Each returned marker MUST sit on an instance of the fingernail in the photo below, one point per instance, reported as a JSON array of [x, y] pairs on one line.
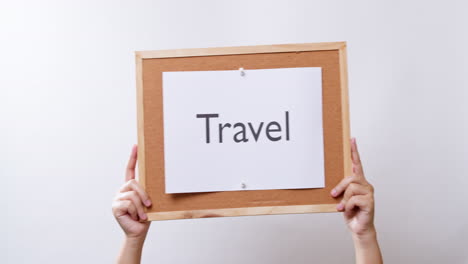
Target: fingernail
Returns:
[[333, 192], [143, 216], [148, 202], [339, 207]]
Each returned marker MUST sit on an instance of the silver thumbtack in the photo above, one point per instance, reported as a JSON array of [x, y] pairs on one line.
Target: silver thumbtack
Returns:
[[242, 72], [243, 185]]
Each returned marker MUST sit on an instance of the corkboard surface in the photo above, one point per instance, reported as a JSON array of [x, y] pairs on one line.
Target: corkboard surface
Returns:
[[152, 69]]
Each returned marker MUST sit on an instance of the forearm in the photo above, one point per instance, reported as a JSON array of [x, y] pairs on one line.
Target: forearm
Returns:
[[130, 253], [367, 249]]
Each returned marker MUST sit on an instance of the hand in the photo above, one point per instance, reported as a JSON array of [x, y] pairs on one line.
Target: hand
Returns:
[[358, 198], [129, 203]]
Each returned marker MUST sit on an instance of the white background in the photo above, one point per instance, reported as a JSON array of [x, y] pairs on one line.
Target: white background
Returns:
[[68, 121], [259, 97]]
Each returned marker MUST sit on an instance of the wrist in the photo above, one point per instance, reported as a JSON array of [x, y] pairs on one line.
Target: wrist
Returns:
[[131, 250], [366, 247], [366, 236], [134, 242]]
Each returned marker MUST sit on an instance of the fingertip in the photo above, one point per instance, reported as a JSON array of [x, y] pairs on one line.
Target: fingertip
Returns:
[[148, 203], [334, 192], [340, 207], [354, 152]]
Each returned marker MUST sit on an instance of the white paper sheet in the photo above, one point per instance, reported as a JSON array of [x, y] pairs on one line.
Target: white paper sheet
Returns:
[[288, 159]]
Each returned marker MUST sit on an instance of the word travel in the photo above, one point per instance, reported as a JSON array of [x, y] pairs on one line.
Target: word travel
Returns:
[[243, 132]]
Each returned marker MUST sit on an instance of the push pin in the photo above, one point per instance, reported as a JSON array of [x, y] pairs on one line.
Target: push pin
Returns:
[[242, 72], [243, 185]]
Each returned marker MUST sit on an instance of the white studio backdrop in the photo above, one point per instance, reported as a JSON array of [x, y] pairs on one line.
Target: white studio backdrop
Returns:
[[68, 121]]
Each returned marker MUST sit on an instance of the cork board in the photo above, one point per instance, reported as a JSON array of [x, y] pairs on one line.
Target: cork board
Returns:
[[150, 65]]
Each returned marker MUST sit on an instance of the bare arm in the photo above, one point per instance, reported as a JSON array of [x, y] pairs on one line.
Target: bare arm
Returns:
[[357, 206], [128, 209], [131, 250]]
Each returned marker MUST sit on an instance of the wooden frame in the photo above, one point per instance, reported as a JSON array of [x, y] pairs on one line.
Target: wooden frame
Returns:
[[340, 47]]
